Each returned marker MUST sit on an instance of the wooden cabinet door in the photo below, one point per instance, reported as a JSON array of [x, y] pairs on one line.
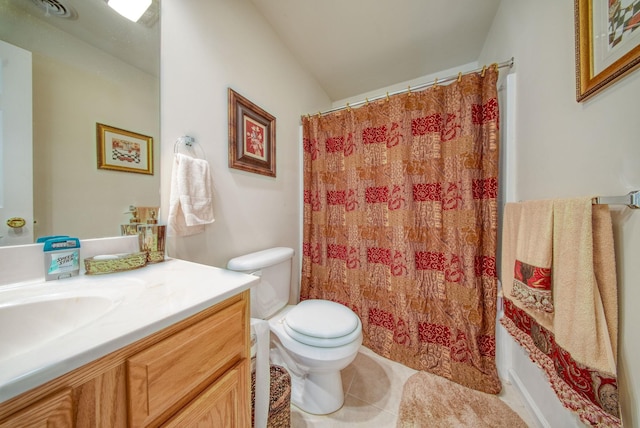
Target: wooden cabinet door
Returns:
[[55, 411], [167, 375], [223, 404]]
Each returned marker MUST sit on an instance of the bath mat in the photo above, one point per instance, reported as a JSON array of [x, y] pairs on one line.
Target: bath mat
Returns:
[[433, 401]]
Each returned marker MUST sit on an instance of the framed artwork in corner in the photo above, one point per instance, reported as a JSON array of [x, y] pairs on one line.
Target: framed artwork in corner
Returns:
[[252, 137], [607, 43], [121, 150]]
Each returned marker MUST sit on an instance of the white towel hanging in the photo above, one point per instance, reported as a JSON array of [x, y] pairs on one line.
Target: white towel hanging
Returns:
[[191, 199]]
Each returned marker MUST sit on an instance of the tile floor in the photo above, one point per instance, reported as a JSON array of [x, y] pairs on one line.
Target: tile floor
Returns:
[[373, 388]]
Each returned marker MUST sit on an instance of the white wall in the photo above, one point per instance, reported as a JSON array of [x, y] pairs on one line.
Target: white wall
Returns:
[[208, 46], [566, 149]]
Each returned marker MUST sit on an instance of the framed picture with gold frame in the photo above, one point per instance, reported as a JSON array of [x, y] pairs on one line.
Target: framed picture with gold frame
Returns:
[[122, 150], [252, 137], [607, 43]]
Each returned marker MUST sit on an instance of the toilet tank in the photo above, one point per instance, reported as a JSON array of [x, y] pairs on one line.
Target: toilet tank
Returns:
[[273, 266]]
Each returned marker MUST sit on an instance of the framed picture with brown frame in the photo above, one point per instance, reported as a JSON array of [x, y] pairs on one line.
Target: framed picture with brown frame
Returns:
[[122, 150], [607, 43], [252, 137]]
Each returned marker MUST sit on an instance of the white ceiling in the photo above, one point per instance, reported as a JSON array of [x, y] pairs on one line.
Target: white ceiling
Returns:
[[357, 46], [349, 46]]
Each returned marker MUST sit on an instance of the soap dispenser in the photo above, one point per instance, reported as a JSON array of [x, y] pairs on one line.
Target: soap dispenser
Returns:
[[134, 221]]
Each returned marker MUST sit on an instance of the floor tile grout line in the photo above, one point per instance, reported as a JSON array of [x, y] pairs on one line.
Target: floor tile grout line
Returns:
[[364, 400], [374, 406], [350, 383]]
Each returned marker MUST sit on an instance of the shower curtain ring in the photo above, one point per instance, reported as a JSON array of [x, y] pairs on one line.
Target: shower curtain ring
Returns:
[[484, 69], [459, 76]]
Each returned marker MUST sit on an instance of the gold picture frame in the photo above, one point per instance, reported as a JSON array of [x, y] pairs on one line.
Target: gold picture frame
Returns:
[[607, 47], [121, 150], [252, 137]]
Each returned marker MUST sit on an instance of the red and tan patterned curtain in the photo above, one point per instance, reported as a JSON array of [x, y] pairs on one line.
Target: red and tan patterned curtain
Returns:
[[400, 224]]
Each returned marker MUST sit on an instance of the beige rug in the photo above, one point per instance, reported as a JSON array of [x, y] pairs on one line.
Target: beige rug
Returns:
[[432, 401]]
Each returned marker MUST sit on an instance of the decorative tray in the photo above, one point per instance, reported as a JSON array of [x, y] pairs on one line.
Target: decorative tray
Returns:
[[114, 263]]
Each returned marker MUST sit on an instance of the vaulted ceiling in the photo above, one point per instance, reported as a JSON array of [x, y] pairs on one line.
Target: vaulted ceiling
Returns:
[[356, 46]]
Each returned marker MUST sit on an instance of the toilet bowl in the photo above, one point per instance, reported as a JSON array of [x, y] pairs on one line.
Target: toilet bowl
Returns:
[[315, 370], [313, 340]]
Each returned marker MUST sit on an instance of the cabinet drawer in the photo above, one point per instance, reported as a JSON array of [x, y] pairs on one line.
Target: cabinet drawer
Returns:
[[223, 404], [55, 411], [168, 374]]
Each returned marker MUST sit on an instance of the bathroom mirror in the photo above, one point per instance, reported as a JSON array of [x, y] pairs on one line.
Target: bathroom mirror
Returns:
[[89, 65]]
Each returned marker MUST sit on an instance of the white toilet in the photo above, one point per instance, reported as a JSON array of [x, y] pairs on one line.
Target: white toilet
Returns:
[[314, 339]]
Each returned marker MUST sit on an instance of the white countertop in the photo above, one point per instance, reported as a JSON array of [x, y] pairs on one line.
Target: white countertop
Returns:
[[145, 300]]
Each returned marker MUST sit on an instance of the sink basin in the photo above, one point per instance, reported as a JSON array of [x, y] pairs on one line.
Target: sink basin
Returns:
[[27, 323]]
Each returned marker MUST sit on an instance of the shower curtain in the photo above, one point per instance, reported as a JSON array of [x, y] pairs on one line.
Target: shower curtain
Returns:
[[400, 224]]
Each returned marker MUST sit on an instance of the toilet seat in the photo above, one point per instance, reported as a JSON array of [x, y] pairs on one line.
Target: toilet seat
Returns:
[[322, 323]]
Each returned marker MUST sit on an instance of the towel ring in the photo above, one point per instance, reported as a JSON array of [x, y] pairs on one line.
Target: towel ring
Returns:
[[188, 143]]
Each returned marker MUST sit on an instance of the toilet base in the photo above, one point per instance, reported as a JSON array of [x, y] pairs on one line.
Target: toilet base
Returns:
[[317, 393]]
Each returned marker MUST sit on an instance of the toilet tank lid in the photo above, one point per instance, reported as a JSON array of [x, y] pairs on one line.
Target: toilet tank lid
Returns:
[[260, 259]]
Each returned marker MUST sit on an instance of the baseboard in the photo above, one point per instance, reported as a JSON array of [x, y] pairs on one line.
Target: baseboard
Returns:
[[527, 400]]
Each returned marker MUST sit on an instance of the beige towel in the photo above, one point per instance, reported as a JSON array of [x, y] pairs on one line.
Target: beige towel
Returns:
[[190, 202], [578, 294], [576, 344], [511, 220]]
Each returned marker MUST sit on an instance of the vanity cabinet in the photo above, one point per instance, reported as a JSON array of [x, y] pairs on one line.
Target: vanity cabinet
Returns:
[[193, 373]]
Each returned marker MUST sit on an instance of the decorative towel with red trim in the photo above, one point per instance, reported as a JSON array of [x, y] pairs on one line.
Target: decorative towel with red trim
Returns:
[[532, 267], [576, 344], [532, 286]]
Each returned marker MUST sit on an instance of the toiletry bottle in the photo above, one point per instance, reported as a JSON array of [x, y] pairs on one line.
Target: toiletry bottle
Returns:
[[61, 258]]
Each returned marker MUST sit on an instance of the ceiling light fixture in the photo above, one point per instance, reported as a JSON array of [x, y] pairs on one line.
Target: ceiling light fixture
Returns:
[[130, 9]]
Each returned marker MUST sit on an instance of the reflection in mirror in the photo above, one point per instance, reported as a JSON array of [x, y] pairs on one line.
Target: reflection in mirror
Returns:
[[89, 65]]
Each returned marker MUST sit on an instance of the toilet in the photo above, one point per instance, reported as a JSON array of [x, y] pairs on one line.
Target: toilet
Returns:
[[313, 340]]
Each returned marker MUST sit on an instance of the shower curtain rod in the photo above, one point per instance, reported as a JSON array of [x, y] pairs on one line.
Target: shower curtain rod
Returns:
[[437, 81]]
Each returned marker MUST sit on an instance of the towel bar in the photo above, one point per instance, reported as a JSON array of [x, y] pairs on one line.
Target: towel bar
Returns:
[[631, 199]]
